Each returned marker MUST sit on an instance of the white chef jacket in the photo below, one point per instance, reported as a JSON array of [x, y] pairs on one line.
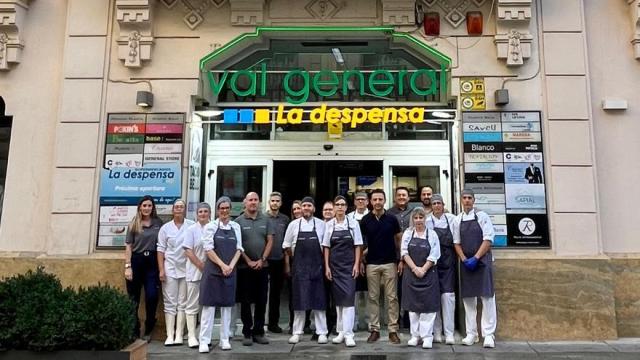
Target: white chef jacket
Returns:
[[170, 243], [291, 236], [331, 225], [210, 231], [355, 215], [434, 242], [442, 222], [483, 219], [193, 241]]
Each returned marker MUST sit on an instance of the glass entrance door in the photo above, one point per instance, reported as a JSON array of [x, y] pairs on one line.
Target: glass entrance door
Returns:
[[414, 174]]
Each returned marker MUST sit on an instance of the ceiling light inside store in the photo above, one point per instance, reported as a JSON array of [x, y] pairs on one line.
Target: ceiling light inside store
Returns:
[[442, 115], [338, 56]]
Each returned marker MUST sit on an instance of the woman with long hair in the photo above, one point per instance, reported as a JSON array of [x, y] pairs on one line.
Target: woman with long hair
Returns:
[[172, 264], [420, 251], [141, 266], [342, 243], [196, 257], [222, 241]]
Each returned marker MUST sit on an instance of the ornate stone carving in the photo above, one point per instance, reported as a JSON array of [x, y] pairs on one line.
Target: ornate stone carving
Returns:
[[454, 11], [12, 18], [194, 9], [247, 12], [135, 18], [398, 12], [634, 8], [323, 9], [513, 38]]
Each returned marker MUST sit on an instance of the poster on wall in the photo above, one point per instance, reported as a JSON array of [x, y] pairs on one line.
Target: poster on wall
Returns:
[[504, 165], [143, 156]]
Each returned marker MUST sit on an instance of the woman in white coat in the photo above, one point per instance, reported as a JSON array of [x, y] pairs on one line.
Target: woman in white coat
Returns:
[[196, 257], [172, 265]]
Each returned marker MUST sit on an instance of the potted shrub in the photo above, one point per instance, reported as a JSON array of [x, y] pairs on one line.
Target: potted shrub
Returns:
[[41, 319]]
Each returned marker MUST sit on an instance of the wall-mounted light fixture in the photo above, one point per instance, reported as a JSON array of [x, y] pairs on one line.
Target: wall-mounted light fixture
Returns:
[[431, 24], [144, 98], [474, 23]]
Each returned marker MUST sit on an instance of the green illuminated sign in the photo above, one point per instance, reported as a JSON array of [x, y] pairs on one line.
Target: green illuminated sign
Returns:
[[326, 83]]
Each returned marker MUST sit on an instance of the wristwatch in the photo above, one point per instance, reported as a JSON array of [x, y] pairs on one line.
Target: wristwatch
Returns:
[[263, 259], [127, 266]]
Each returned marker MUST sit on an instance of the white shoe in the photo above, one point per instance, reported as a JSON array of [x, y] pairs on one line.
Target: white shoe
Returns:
[[489, 342], [338, 339], [225, 345], [413, 341], [322, 339], [427, 343], [470, 340], [349, 341], [437, 338], [204, 348], [294, 339], [450, 340]]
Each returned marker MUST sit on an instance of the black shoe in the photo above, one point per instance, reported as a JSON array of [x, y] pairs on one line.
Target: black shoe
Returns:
[[290, 331], [307, 330], [260, 339], [314, 337], [275, 329], [247, 341]]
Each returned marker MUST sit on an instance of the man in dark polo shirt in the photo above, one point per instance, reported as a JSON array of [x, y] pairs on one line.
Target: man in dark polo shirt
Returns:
[[253, 275], [382, 234], [279, 222]]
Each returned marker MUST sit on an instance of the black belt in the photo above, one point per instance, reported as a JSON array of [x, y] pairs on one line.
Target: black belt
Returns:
[[145, 253]]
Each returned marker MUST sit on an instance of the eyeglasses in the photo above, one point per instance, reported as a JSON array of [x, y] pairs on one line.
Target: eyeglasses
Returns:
[[340, 204], [224, 208], [327, 209]]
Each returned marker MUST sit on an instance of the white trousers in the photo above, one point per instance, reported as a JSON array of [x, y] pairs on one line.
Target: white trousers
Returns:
[[448, 308], [345, 318], [193, 296], [206, 323], [489, 318], [422, 324], [174, 293], [319, 319]]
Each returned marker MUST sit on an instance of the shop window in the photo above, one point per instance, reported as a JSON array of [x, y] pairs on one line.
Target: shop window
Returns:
[[5, 137]]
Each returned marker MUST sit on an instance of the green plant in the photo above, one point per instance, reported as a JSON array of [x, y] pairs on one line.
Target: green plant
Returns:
[[36, 313]]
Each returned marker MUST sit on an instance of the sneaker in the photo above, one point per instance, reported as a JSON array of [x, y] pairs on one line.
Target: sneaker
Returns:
[[338, 339], [247, 341], [294, 339], [450, 340], [260, 339], [225, 345], [275, 329], [489, 342], [413, 341], [470, 340], [427, 343], [322, 339], [349, 341], [146, 337], [203, 348], [437, 338]]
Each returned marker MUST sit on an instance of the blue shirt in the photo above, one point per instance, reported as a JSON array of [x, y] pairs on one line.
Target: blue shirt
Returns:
[[379, 235]]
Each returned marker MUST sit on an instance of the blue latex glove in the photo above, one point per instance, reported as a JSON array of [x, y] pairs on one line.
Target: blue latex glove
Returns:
[[471, 263]]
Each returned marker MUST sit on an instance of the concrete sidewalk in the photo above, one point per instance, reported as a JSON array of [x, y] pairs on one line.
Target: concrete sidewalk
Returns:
[[279, 349]]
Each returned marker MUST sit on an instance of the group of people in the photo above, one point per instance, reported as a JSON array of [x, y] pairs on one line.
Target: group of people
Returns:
[[410, 253]]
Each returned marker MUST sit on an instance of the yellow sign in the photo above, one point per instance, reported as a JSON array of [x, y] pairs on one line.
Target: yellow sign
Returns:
[[472, 96], [334, 130]]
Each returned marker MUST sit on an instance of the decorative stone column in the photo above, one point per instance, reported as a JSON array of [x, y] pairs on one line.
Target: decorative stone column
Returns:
[[634, 9], [513, 38], [135, 18], [12, 18]]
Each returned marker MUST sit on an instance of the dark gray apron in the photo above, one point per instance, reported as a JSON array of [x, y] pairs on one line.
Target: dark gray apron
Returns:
[[341, 260], [480, 281], [447, 262], [307, 273], [215, 288], [420, 295]]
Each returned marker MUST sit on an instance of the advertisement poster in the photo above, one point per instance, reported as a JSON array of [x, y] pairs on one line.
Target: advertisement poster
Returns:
[[143, 156], [195, 165], [504, 165]]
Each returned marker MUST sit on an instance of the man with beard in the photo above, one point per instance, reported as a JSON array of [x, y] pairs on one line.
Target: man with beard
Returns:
[[279, 222], [426, 192]]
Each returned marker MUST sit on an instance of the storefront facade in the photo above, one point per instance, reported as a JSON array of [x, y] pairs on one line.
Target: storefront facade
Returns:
[[531, 103]]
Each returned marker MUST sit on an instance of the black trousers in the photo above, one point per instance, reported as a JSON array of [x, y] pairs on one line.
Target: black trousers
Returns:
[[145, 275], [276, 280], [252, 289]]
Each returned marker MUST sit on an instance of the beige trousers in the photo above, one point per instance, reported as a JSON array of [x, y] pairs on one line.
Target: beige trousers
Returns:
[[385, 276]]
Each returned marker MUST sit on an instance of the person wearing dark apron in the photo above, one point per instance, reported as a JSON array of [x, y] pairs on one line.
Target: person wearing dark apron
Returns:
[[420, 284], [302, 242], [443, 224], [342, 245], [222, 242], [361, 205], [472, 240]]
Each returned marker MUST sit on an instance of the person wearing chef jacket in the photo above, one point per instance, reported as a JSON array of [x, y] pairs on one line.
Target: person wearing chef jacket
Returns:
[[172, 265], [302, 242], [472, 240], [222, 242], [420, 251], [342, 244], [444, 224], [196, 258]]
